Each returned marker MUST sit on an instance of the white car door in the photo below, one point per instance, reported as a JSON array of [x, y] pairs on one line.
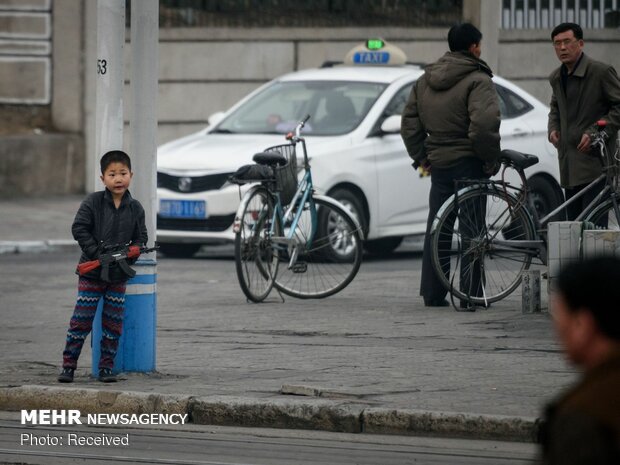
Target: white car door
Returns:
[[403, 195], [515, 132]]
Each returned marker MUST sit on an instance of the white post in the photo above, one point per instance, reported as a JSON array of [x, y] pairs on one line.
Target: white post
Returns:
[[487, 16], [490, 20], [143, 124], [108, 114], [530, 295], [110, 80], [564, 247], [140, 323]]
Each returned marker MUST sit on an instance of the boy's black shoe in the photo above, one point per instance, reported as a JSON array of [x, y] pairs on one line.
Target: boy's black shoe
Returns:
[[436, 303], [106, 376], [66, 375]]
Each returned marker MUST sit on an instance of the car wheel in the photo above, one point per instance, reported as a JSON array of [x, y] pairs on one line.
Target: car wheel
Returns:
[[179, 250], [354, 206], [384, 246], [544, 197]]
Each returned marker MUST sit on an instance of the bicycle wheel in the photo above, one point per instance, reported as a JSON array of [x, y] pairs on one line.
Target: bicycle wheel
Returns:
[[255, 260], [329, 252], [475, 244], [604, 216]]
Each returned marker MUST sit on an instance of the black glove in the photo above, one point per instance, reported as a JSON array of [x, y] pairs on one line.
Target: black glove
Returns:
[[93, 252], [491, 168]]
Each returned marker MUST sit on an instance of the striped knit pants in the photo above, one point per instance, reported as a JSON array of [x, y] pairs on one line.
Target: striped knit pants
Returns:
[[89, 293]]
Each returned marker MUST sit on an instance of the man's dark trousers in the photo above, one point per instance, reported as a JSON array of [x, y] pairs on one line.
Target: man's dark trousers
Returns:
[[442, 187], [579, 205]]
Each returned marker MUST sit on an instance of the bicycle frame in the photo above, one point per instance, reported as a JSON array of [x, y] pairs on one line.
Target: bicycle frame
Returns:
[[322, 239], [538, 247], [304, 194], [608, 167]]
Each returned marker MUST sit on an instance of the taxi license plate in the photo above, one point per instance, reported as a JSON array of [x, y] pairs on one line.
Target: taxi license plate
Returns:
[[183, 209]]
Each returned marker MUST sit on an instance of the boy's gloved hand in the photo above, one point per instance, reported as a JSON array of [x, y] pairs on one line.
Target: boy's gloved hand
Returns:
[[133, 251], [93, 252]]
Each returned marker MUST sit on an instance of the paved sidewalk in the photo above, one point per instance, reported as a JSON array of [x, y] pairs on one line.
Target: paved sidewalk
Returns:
[[37, 225], [371, 346]]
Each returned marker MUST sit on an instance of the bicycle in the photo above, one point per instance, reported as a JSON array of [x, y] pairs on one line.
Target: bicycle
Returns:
[[286, 235], [488, 233]]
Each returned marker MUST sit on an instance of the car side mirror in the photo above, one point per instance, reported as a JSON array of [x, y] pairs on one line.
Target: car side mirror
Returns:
[[391, 125], [215, 118]]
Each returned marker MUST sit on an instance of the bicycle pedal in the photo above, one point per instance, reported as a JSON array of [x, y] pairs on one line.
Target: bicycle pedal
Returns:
[[299, 267]]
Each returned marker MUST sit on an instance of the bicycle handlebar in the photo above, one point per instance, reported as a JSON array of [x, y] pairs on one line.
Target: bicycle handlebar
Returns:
[[600, 136], [295, 135]]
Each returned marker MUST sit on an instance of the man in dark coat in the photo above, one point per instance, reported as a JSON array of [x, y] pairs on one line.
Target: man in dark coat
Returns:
[[584, 91], [583, 425], [450, 127]]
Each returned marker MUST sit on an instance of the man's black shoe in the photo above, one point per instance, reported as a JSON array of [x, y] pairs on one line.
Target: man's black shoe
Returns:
[[66, 375], [466, 307], [106, 376], [436, 303]]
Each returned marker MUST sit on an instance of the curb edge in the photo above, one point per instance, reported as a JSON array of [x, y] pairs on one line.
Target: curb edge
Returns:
[[291, 413]]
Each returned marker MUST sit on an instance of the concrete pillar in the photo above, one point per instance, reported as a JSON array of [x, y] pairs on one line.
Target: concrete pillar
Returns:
[[486, 16], [109, 66], [141, 303], [471, 12], [90, 92], [598, 243], [143, 119], [530, 295], [564, 247]]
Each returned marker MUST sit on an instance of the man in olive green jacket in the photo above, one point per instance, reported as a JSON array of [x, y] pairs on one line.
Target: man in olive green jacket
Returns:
[[450, 127], [584, 91]]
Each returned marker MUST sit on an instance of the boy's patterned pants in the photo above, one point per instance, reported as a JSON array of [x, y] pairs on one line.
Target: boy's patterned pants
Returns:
[[89, 293]]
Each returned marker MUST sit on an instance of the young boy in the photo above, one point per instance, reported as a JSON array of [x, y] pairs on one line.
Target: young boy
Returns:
[[105, 218]]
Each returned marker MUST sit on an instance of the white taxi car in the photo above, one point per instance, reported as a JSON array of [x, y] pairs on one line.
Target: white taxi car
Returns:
[[356, 152]]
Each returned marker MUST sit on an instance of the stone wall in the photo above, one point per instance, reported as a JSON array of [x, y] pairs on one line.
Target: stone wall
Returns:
[[25, 50], [41, 165], [41, 99], [203, 71], [47, 63]]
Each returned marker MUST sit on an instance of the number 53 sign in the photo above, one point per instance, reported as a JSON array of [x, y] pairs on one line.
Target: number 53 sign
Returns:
[[102, 66]]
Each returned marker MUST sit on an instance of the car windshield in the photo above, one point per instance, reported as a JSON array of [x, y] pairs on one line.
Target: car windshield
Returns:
[[335, 107]]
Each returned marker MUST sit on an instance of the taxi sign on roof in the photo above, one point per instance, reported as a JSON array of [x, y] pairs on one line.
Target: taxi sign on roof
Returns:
[[376, 52]]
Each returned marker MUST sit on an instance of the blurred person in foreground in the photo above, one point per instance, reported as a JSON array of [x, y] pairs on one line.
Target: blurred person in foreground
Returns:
[[582, 426]]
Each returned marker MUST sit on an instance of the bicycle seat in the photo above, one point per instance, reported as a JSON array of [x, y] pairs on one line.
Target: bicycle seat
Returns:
[[269, 158], [518, 159]]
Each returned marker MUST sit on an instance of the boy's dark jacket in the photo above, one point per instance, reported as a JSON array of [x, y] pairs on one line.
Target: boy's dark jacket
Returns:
[[99, 223]]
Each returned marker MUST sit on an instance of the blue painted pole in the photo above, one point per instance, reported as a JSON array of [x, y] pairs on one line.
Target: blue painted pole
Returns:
[[137, 346]]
